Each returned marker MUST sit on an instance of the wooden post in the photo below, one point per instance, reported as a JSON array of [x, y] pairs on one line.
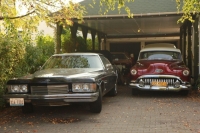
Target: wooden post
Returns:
[[58, 38]]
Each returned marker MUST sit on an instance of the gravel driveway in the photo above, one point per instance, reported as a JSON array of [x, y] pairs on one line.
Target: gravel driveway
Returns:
[[147, 112]]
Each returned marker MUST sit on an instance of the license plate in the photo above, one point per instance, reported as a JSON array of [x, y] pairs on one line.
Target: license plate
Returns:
[[16, 101], [156, 83]]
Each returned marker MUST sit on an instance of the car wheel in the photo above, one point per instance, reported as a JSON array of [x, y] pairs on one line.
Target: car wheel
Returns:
[[27, 108], [184, 92], [134, 91], [113, 91], [96, 106]]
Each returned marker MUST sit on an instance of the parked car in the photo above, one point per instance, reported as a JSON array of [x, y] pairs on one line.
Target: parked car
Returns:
[[108, 55], [124, 63], [160, 67], [64, 79]]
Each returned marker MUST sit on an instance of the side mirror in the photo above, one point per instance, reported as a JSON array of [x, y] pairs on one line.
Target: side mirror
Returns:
[[108, 66]]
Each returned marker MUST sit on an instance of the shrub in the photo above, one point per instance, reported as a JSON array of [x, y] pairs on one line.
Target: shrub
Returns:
[[19, 55]]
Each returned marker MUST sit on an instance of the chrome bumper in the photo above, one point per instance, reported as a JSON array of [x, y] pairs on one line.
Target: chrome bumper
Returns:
[[168, 88], [166, 78], [68, 98]]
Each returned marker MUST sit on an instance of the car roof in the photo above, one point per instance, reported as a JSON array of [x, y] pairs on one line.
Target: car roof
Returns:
[[77, 53], [106, 53], [160, 47]]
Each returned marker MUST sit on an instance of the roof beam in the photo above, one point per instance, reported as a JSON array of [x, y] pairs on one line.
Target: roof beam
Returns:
[[143, 36]]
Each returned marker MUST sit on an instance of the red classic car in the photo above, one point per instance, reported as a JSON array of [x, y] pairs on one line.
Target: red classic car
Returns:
[[160, 67]]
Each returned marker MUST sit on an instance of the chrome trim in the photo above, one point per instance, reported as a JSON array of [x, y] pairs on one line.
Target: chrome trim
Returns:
[[76, 97], [159, 76], [49, 89], [171, 79]]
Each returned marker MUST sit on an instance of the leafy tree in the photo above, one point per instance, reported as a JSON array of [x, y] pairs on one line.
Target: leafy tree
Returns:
[[28, 13], [67, 44], [189, 8], [89, 44], [37, 54], [35, 11]]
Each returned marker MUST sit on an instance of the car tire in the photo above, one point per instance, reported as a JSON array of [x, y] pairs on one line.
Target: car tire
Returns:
[[27, 108], [134, 91], [113, 91], [96, 106], [184, 92]]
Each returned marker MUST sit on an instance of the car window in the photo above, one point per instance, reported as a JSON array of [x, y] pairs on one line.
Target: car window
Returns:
[[73, 61], [105, 61], [160, 55]]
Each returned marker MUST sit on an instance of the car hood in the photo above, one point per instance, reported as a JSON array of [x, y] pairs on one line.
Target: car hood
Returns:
[[160, 66], [60, 76], [69, 73]]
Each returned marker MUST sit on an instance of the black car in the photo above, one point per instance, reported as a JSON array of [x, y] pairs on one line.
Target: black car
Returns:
[[64, 79], [109, 56]]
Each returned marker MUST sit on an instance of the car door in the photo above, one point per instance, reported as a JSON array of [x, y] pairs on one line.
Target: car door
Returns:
[[111, 75]]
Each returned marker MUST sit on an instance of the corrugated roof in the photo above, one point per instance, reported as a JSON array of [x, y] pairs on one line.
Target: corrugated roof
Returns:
[[137, 7]]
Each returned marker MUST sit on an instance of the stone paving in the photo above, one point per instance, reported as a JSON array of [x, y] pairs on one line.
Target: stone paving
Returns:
[[147, 112]]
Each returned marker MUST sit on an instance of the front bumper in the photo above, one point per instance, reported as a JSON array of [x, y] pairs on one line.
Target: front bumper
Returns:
[[58, 99], [170, 87]]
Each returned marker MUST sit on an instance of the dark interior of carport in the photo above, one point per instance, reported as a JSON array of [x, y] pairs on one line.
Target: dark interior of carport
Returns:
[[153, 21]]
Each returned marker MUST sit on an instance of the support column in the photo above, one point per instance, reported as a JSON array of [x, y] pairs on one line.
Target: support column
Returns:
[[104, 42], [99, 40], [85, 32], [181, 39], [189, 54], [73, 29], [184, 45], [58, 38], [93, 39], [196, 48]]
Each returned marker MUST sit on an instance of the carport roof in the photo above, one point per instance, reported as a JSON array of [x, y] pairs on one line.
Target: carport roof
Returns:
[[152, 18], [136, 7]]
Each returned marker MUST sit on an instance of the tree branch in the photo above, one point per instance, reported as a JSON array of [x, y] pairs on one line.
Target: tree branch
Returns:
[[1, 17]]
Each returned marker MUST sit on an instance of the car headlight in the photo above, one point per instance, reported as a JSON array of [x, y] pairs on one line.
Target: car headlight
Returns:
[[133, 72], [141, 83], [177, 84], [17, 88], [84, 87], [186, 72]]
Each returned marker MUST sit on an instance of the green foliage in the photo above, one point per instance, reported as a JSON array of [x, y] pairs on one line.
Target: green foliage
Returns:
[[89, 44], [28, 13], [36, 55], [80, 44], [67, 44], [106, 5], [189, 8], [12, 53], [20, 55]]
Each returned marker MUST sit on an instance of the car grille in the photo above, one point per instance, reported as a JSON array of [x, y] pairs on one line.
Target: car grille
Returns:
[[49, 90], [170, 81]]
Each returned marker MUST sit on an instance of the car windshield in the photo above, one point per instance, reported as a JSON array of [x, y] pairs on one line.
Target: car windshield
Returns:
[[73, 61], [160, 55], [119, 56]]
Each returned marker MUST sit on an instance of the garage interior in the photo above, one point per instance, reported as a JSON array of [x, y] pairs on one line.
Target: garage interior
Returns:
[[153, 21]]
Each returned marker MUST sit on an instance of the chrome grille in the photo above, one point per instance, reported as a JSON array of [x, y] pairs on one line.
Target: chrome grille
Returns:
[[149, 80], [49, 90]]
